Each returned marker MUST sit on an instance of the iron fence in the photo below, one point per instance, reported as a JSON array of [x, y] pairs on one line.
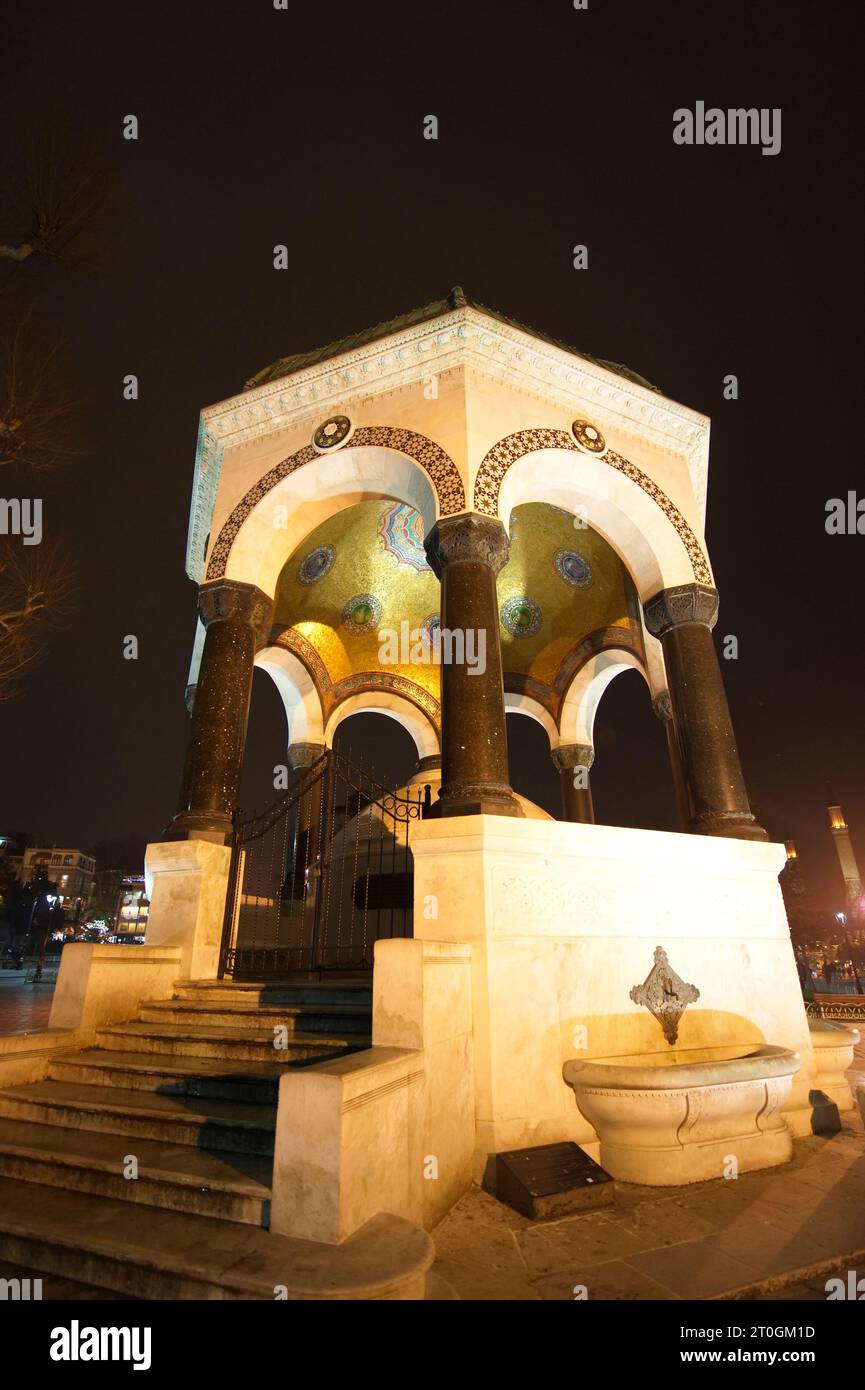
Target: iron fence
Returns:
[[320, 875]]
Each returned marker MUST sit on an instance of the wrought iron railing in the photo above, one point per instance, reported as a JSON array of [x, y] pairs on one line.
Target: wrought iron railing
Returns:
[[852, 1012], [321, 874]]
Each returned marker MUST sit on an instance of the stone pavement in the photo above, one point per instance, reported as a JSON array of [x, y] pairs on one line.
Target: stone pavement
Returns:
[[778, 1233], [23, 1007]]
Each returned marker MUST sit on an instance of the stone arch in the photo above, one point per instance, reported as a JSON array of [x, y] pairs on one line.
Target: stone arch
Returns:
[[396, 706], [253, 543], [650, 534], [584, 694], [300, 697], [517, 702]]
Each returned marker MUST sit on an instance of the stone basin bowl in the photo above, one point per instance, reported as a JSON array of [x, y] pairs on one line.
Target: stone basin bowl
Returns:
[[834, 1045], [687, 1115]]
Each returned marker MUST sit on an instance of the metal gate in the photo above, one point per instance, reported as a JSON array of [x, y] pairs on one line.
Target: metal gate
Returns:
[[320, 875]]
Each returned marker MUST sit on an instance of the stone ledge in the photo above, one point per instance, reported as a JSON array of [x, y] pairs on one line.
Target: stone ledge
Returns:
[[159, 1254]]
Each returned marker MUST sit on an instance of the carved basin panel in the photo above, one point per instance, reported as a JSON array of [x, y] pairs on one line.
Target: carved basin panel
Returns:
[[664, 1122]]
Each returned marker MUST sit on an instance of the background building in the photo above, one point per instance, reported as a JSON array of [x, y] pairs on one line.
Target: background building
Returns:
[[71, 870]]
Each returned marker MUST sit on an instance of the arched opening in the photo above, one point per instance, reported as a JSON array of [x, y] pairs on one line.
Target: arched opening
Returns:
[[381, 742], [532, 773], [266, 748], [651, 536], [302, 493], [631, 780]]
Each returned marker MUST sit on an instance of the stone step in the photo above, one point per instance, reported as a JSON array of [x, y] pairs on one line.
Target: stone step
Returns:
[[191, 1040], [256, 1083], [38, 1040], [144, 1253], [176, 1177], [259, 1019], [303, 992], [228, 1126]]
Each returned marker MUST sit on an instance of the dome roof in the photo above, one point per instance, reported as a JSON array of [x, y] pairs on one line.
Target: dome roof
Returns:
[[364, 571]]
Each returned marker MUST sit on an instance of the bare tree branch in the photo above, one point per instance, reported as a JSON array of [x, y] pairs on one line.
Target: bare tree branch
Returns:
[[40, 422], [36, 595], [51, 209]]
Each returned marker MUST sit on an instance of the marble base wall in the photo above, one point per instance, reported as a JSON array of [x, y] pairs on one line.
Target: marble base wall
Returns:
[[98, 985], [562, 920], [392, 1128], [187, 884]]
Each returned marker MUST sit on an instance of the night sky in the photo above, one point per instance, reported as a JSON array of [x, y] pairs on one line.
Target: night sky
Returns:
[[259, 126]]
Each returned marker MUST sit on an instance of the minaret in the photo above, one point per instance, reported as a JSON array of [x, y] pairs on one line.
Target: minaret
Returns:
[[847, 860]]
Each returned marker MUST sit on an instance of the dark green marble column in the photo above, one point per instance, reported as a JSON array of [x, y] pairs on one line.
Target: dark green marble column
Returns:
[[467, 553], [236, 617], [576, 801], [663, 707], [682, 618]]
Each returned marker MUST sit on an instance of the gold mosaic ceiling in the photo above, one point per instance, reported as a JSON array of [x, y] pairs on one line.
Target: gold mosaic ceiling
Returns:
[[364, 569]]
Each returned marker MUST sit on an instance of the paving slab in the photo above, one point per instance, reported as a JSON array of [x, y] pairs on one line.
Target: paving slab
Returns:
[[614, 1279], [757, 1236]]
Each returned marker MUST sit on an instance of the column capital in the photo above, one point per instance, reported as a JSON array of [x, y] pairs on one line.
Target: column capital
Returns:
[[229, 599], [570, 755], [663, 706], [683, 603], [303, 755], [469, 536]]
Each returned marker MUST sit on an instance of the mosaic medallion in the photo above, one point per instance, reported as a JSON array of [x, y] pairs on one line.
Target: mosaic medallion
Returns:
[[588, 436], [316, 565], [401, 533], [362, 613], [573, 569], [520, 617], [331, 432], [432, 625]]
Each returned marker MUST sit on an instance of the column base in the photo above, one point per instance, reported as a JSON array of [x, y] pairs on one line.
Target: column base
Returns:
[[478, 799], [731, 825], [200, 825]]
